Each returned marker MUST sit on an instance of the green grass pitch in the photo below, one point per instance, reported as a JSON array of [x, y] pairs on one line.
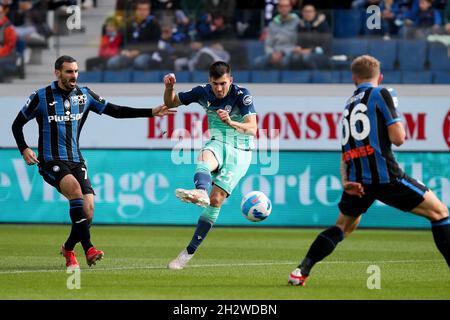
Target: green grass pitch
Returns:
[[233, 263]]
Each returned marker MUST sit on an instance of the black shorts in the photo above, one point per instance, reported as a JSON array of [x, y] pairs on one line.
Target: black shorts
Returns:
[[53, 171], [404, 194]]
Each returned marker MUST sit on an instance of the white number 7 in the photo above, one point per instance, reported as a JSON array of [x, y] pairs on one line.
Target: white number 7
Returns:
[[85, 173]]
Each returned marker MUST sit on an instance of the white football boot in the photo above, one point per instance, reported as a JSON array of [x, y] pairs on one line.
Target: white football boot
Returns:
[[181, 261], [296, 278], [196, 196]]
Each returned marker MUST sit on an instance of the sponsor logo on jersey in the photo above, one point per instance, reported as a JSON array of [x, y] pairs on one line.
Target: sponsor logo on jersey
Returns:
[[67, 117]]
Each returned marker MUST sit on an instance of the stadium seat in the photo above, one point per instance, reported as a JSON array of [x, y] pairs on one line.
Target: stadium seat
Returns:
[[326, 77], [391, 77], [117, 76], [263, 76], [90, 76], [241, 76], [350, 47], [441, 77], [199, 76], [146, 76], [385, 51], [295, 76], [439, 58], [419, 77], [347, 23], [412, 54]]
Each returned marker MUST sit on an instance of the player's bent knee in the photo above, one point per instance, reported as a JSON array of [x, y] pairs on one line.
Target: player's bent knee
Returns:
[[216, 201], [440, 213]]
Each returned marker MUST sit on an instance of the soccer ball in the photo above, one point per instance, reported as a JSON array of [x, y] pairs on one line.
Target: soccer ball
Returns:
[[255, 206]]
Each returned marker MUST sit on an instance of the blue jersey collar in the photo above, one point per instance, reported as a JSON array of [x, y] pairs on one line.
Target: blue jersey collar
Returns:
[[364, 85]]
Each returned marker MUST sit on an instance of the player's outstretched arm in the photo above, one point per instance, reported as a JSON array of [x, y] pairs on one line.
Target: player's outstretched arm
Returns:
[[122, 112], [170, 97]]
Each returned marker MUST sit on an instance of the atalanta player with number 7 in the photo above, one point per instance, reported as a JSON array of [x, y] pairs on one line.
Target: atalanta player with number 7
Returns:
[[60, 110]]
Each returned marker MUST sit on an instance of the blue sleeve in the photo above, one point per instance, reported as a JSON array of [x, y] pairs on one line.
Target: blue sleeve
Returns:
[[193, 95], [31, 107], [95, 102], [246, 104], [388, 106]]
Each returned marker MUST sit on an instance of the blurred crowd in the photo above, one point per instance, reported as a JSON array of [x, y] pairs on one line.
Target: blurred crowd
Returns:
[[191, 34]]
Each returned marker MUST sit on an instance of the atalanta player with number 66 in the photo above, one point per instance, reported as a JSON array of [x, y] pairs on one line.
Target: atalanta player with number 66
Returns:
[[60, 110], [370, 124]]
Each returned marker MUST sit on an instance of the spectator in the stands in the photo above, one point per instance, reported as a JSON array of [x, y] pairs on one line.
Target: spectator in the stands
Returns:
[[225, 7], [447, 18], [141, 35], [193, 8], [170, 47], [214, 27], [247, 18], [110, 45], [201, 56], [218, 31], [423, 22], [314, 41], [29, 19], [8, 40], [312, 21], [281, 39], [391, 18]]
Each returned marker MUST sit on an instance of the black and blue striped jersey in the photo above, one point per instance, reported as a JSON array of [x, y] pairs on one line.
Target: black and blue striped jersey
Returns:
[[60, 116], [366, 147]]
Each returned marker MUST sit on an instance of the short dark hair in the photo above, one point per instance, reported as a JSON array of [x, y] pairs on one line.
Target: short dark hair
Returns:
[[218, 69], [60, 61]]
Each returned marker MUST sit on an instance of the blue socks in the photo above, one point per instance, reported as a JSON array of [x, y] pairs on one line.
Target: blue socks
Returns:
[[204, 224]]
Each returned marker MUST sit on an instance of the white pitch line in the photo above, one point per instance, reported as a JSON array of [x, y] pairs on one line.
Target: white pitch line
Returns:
[[214, 265]]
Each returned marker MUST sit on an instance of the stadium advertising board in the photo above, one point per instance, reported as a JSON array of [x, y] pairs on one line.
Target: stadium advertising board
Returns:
[[137, 187], [287, 123]]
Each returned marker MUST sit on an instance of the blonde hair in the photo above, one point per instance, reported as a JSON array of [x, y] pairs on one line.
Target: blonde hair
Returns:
[[365, 67]]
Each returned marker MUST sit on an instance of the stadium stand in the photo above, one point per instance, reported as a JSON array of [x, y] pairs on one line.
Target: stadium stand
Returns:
[[411, 61]]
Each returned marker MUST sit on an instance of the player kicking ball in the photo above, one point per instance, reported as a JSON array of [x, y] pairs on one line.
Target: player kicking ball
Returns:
[[370, 125], [226, 157]]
